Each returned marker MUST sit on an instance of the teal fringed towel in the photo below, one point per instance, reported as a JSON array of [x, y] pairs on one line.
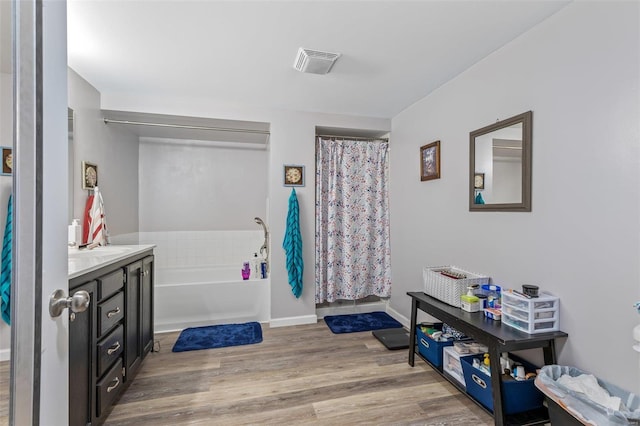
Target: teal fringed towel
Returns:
[[292, 246], [479, 199], [5, 276]]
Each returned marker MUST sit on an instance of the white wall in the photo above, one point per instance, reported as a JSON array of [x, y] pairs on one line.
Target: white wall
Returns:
[[115, 151], [186, 187], [578, 72], [6, 139], [292, 141]]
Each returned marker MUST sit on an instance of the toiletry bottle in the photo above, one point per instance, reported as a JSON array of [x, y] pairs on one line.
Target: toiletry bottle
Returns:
[[504, 363], [255, 266], [75, 233], [493, 298], [263, 268], [470, 302], [246, 270]]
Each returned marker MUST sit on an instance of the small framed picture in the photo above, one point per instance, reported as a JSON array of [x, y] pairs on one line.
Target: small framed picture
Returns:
[[7, 161], [430, 161], [478, 181], [89, 175], [293, 175]]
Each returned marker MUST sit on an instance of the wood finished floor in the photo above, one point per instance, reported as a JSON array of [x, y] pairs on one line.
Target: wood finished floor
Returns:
[[298, 375]]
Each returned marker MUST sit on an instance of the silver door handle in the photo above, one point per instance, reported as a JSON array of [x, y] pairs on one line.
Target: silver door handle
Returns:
[[115, 382], [113, 348], [58, 302]]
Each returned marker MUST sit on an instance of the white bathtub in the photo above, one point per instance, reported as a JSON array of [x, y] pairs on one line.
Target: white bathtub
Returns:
[[195, 296]]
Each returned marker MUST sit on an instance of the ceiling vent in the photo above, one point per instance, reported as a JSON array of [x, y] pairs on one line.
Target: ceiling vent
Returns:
[[314, 61]]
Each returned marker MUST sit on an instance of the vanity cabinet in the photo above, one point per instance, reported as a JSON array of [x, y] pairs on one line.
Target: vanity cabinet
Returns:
[[82, 327], [139, 307], [108, 341]]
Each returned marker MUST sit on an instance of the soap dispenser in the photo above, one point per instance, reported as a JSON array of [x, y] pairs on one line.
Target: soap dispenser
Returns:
[[470, 302]]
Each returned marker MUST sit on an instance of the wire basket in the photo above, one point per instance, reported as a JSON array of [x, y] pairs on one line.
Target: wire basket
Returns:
[[447, 288]]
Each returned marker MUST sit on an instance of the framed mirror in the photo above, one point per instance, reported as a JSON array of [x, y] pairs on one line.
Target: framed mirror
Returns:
[[500, 165]]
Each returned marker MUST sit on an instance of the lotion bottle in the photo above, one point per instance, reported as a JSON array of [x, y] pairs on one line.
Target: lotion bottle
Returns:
[[75, 233]]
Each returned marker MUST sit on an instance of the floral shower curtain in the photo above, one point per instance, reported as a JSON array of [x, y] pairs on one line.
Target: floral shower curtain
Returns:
[[353, 255]]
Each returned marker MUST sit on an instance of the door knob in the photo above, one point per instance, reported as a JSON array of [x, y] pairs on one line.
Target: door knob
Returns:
[[79, 302]]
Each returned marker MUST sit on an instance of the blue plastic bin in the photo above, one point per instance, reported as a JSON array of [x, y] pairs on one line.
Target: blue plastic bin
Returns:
[[430, 349], [517, 395]]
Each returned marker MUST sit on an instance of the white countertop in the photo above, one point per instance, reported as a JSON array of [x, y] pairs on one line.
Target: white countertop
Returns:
[[85, 260]]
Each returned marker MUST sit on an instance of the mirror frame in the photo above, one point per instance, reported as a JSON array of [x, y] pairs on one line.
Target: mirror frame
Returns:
[[526, 119]]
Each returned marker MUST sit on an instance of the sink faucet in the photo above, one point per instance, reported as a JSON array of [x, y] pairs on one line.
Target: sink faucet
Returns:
[[265, 246]]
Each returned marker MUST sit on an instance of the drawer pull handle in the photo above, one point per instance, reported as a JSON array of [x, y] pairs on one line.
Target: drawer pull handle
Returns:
[[424, 343], [115, 385], [479, 381], [113, 312], [113, 348]]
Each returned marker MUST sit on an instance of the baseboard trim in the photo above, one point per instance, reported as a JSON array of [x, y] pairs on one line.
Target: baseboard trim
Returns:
[[284, 322], [179, 326], [352, 309], [398, 317], [5, 354]]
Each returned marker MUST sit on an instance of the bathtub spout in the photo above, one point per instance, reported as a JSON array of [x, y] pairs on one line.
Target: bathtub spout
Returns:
[[264, 250]]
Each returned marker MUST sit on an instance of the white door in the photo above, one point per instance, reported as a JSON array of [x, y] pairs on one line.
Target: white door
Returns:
[[39, 342]]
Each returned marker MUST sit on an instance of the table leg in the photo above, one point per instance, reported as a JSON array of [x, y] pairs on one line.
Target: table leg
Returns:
[[494, 358], [549, 352], [412, 332]]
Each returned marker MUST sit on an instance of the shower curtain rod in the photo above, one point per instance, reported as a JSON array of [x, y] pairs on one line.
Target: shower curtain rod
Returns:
[[183, 126], [354, 138]]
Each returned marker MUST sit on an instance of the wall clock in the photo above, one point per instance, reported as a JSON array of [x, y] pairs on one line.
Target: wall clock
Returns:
[[478, 181], [293, 175], [7, 161]]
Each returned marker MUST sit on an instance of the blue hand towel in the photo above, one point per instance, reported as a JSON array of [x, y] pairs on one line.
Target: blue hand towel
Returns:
[[479, 199], [5, 276], [292, 246]]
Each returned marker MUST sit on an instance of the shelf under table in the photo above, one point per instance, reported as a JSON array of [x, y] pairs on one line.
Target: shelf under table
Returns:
[[497, 338]]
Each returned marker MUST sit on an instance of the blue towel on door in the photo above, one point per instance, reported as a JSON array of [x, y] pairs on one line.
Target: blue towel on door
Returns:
[[5, 276], [292, 246]]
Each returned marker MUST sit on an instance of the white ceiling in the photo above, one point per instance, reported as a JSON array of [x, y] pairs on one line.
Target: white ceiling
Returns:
[[242, 52]]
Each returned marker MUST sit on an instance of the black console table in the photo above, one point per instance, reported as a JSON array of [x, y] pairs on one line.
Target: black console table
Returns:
[[491, 334]]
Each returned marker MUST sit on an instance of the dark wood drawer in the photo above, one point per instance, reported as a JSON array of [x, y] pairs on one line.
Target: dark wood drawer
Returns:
[[110, 284], [110, 312], [109, 387], [110, 349]]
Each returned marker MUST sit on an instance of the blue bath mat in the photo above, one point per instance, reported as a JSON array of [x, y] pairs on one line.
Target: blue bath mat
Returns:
[[360, 322], [218, 336]]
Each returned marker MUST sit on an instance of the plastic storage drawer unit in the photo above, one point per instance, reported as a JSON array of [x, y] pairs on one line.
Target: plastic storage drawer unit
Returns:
[[451, 364], [535, 315], [430, 349], [517, 395]]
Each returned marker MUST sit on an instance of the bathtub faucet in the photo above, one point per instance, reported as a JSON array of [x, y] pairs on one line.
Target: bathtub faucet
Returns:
[[265, 245]]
